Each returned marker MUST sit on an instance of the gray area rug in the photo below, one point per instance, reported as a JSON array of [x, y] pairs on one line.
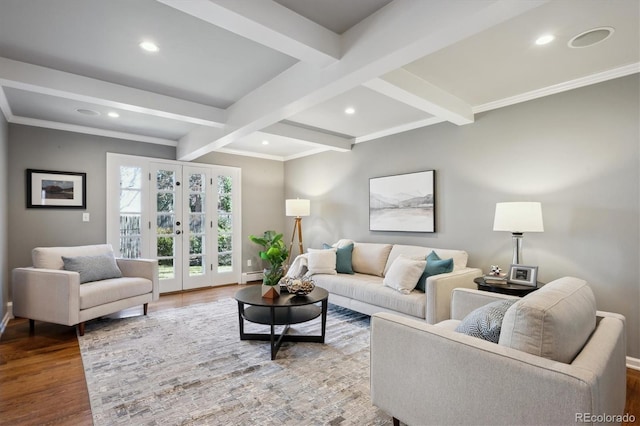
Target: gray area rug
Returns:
[[188, 366]]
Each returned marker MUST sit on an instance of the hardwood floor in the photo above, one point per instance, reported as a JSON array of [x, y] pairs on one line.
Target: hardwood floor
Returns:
[[42, 377]]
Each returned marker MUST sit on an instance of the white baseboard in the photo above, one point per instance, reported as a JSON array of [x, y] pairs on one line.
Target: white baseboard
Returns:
[[633, 363], [251, 276], [7, 317]]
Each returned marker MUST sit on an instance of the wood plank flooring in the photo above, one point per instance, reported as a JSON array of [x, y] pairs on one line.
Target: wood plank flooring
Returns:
[[42, 378]]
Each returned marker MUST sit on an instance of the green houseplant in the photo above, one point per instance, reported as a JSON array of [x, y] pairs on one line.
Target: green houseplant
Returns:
[[275, 254]]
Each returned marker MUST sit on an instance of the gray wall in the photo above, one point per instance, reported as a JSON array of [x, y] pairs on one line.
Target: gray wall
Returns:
[[576, 152], [262, 199], [38, 148], [4, 191]]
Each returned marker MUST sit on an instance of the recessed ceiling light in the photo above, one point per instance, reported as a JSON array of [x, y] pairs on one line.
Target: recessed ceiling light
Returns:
[[265, 142], [590, 37], [545, 39], [113, 114], [87, 111], [149, 46], [350, 110]]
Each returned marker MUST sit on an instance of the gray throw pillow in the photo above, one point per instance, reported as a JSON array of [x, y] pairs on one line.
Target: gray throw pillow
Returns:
[[93, 268], [486, 321]]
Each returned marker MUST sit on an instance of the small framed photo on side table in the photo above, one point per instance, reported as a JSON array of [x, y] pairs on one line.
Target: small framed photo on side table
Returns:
[[523, 275]]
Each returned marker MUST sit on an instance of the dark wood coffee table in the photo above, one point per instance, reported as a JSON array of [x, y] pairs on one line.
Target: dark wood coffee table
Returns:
[[284, 310]]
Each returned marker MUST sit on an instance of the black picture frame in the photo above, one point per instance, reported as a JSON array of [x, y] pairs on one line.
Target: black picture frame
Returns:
[[523, 275], [403, 203], [51, 189]]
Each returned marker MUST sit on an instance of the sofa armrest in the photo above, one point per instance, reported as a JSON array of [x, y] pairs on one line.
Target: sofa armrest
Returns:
[[465, 300], [50, 295], [442, 377], [438, 290], [143, 268]]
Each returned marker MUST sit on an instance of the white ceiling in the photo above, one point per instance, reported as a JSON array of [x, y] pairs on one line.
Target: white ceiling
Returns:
[[230, 75]]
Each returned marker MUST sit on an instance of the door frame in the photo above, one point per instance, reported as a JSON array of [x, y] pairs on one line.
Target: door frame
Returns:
[[114, 161]]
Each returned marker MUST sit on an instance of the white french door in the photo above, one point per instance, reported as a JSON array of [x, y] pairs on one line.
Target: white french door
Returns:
[[192, 215]]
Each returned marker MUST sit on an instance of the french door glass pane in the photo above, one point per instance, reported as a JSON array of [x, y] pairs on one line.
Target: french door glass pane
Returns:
[[166, 269], [225, 225], [130, 212], [197, 212]]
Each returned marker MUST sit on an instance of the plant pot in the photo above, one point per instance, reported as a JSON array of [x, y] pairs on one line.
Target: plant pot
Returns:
[[270, 291]]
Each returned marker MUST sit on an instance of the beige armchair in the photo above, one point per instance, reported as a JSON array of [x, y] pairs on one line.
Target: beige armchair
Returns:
[[48, 292], [557, 361]]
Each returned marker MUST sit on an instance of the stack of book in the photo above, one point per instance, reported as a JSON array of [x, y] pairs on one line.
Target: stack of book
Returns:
[[495, 279]]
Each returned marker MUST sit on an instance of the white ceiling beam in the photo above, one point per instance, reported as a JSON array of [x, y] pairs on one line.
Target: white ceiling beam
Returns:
[[410, 89], [47, 81], [309, 136], [400, 33], [399, 129], [270, 24]]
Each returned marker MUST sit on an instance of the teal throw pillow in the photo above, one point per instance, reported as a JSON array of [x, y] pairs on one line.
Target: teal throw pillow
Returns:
[[343, 258], [435, 266]]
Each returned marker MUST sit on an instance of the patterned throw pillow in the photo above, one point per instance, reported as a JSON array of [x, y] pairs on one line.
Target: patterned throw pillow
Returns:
[[93, 268], [486, 321]]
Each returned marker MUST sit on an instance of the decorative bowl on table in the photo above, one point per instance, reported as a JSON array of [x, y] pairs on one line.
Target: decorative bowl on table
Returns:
[[300, 286]]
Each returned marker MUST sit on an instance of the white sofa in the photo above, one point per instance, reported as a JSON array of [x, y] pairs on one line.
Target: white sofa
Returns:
[[48, 292], [557, 361], [364, 291]]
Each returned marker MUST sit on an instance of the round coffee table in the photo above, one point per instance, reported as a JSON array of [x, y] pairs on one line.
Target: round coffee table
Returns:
[[284, 310]]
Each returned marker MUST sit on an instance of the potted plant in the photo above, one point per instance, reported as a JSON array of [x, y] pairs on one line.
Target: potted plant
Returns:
[[275, 254]]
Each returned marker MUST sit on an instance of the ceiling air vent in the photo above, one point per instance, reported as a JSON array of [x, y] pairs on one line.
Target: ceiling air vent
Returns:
[[591, 37]]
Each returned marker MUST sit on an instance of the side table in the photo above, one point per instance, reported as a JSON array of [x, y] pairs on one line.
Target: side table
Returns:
[[507, 288]]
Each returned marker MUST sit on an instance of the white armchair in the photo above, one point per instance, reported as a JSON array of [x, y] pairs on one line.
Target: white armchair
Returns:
[[48, 292], [558, 361]]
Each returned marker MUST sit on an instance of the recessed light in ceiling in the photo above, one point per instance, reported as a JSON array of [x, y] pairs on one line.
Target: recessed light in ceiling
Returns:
[[545, 39], [350, 110], [590, 37], [265, 142], [113, 114], [149, 46], [87, 111]]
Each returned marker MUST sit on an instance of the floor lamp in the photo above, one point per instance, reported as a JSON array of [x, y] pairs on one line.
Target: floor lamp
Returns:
[[517, 218], [297, 208]]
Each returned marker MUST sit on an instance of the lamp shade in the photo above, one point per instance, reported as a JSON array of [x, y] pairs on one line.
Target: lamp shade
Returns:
[[518, 217], [297, 207]]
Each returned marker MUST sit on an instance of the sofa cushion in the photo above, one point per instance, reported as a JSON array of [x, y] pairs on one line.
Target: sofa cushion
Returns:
[[322, 261], [486, 321], [370, 258], [404, 273], [93, 268], [434, 266], [553, 322], [369, 289], [343, 258], [98, 293], [51, 257]]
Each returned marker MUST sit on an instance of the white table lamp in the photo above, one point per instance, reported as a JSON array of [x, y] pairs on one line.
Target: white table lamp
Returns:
[[517, 218]]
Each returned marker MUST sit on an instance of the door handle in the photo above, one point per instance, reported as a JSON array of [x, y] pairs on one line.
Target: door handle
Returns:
[[178, 232]]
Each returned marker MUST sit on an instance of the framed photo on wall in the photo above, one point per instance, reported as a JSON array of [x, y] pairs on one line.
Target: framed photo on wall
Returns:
[[404, 203], [58, 190], [523, 275]]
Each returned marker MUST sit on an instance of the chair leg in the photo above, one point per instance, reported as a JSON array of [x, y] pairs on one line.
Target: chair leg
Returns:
[[81, 329], [32, 326], [396, 422], [145, 307]]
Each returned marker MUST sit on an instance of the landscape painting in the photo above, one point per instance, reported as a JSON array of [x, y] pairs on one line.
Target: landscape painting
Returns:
[[53, 189], [404, 203]]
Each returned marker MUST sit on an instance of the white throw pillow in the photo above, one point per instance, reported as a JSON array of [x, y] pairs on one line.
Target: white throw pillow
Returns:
[[322, 261], [404, 273]]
